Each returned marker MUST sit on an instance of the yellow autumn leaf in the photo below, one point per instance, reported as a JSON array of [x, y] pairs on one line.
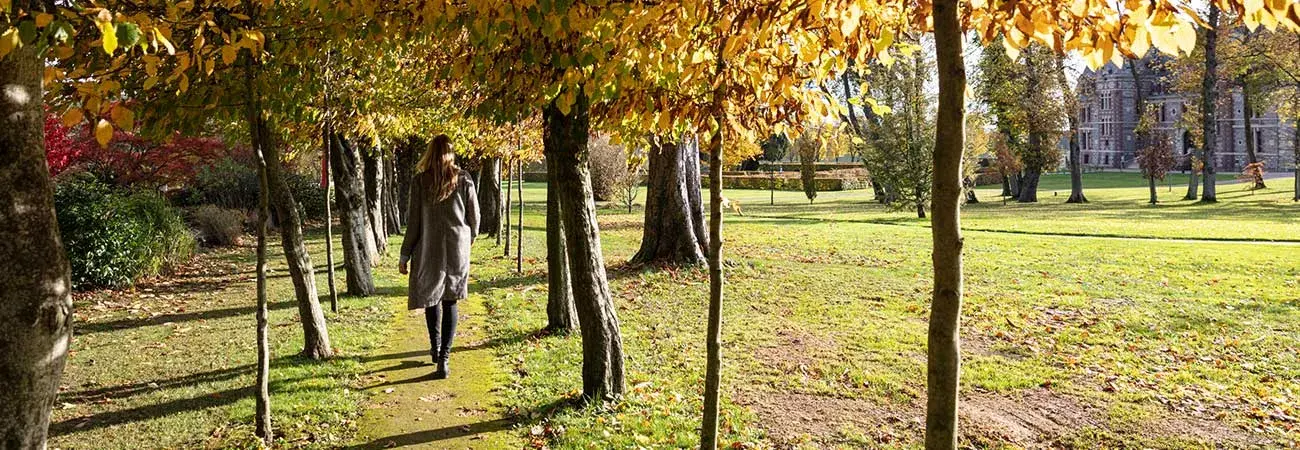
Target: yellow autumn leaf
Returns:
[[108, 36], [1141, 42], [72, 117], [162, 40], [123, 117], [228, 54], [9, 41], [103, 132], [43, 19]]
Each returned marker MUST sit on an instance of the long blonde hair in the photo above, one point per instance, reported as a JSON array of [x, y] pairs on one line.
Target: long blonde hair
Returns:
[[439, 162]]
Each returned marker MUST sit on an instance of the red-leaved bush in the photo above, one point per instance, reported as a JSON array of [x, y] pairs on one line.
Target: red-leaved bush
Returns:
[[129, 158]]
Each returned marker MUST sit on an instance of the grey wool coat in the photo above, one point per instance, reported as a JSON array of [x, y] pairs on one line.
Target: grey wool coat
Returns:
[[437, 241]]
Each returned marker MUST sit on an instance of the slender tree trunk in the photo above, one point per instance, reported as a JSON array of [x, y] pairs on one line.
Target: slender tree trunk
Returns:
[[1072, 114], [262, 402], [372, 159], [392, 219], [1249, 112], [510, 179], [602, 346], [489, 198], [1295, 158], [1006, 186], [35, 282], [1153, 190], [672, 220], [348, 187], [329, 219], [1209, 101], [943, 363], [561, 315], [519, 233], [713, 338], [316, 342]]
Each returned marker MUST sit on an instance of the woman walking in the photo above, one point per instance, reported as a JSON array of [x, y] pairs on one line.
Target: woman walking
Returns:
[[442, 223]]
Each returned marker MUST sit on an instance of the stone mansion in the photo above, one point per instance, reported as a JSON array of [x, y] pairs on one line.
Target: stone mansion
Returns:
[[1108, 116]]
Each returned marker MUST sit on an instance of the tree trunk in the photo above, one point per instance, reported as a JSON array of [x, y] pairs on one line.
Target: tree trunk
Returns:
[[35, 282], [357, 239], [1295, 159], [519, 232], [602, 347], [561, 315], [316, 341], [1153, 189], [1072, 115], [1193, 182], [713, 338], [372, 159], [510, 179], [329, 219], [262, 401], [1006, 186], [392, 219], [1248, 110], [672, 232], [406, 160], [1029, 185], [943, 362], [1209, 99], [489, 197]]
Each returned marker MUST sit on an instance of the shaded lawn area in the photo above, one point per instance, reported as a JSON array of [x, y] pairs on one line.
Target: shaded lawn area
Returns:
[[171, 363], [1117, 207], [1069, 342]]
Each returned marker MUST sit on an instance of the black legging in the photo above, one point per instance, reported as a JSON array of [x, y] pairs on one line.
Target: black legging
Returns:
[[441, 321]]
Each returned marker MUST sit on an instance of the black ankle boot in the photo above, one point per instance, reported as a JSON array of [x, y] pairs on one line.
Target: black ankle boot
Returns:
[[443, 372]]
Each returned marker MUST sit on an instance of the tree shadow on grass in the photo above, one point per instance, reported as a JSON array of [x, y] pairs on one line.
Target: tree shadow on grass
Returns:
[[460, 431], [212, 314], [168, 408]]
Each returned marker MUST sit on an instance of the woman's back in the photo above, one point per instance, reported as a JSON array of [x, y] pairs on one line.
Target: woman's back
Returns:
[[438, 238]]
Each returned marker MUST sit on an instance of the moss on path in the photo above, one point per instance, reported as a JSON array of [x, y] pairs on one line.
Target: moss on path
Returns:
[[409, 409]]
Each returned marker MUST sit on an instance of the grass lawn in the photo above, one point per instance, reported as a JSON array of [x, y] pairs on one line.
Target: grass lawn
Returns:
[[1076, 342], [1069, 341], [171, 363]]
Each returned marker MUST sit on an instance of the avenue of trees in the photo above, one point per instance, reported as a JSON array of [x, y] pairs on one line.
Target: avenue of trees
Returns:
[[704, 79]]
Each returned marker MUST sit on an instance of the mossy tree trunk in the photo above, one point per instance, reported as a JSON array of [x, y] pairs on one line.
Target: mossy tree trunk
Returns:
[[35, 282], [565, 137], [373, 180], [943, 361], [351, 198], [674, 218], [489, 197], [561, 314]]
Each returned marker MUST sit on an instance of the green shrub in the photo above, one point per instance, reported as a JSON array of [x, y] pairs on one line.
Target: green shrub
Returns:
[[218, 226], [309, 195], [113, 238], [226, 183]]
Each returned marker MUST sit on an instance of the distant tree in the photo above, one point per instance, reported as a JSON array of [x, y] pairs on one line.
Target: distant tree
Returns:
[[1253, 176], [809, 147], [629, 182], [1006, 163], [900, 152], [1156, 158], [775, 147]]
